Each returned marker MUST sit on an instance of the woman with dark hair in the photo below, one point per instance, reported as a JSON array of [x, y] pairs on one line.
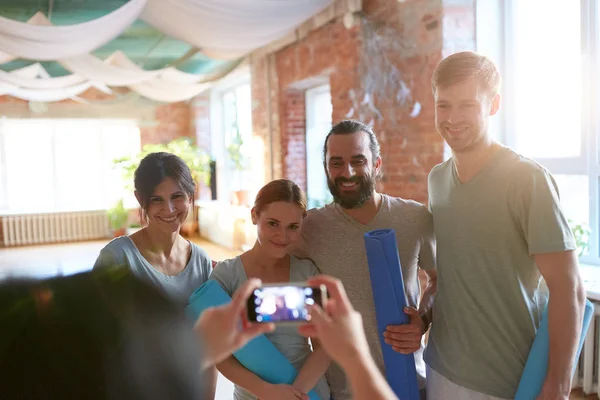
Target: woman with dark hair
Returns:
[[157, 253], [106, 335], [278, 211]]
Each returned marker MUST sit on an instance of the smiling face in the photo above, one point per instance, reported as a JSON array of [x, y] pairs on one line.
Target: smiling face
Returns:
[[462, 114], [168, 206], [278, 226], [351, 170]]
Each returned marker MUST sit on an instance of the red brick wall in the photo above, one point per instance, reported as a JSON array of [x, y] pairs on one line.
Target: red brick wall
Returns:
[[171, 121], [422, 31], [293, 137]]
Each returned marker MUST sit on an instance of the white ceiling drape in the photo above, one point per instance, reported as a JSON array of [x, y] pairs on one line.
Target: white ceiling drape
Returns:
[[39, 79], [110, 71], [164, 85], [222, 29], [44, 95], [39, 40], [229, 28]]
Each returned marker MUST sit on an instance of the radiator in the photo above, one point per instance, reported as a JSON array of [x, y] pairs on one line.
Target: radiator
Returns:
[[588, 365], [27, 229]]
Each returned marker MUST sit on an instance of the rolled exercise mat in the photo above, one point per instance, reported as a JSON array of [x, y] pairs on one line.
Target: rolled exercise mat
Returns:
[[259, 355], [390, 299], [534, 373]]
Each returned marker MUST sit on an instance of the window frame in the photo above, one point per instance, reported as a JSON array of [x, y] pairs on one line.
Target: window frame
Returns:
[[495, 19]]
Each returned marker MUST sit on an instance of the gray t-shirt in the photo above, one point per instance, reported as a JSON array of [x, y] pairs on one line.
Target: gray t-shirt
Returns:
[[122, 251], [490, 292], [231, 275], [335, 242]]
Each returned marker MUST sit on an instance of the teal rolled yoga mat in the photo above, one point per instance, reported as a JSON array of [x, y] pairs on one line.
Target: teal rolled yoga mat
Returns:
[[260, 355], [534, 373], [389, 295]]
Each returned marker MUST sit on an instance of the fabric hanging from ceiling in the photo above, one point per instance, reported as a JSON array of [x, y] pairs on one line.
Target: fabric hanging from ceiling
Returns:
[[38, 39], [163, 91], [229, 28], [46, 95], [166, 85], [113, 71], [39, 79], [222, 29]]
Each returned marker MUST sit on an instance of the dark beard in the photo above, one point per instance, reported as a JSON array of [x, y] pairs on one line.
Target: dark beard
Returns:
[[366, 186]]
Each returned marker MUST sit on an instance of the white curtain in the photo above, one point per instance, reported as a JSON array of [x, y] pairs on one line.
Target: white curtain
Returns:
[[43, 95], [38, 39], [229, 28]]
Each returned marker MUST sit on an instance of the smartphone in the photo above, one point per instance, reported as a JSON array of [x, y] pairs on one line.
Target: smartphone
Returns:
[[284, 303]]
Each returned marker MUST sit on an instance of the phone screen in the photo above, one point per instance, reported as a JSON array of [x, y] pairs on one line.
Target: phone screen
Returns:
[[282, 303]]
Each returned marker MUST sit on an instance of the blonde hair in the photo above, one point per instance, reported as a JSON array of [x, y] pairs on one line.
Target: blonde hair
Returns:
[[463, 66]]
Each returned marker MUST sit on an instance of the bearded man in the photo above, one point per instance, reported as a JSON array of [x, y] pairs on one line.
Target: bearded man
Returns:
[[332, 237]]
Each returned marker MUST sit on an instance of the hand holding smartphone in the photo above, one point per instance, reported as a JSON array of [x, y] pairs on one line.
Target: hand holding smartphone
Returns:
[[284, 303]]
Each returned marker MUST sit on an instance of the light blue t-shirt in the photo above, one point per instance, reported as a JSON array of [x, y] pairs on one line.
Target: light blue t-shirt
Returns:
[[231, 275], [178, 288]]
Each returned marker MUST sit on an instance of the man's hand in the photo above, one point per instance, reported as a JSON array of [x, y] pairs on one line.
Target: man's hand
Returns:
[[553, 391], [224, 329], [406, 339]]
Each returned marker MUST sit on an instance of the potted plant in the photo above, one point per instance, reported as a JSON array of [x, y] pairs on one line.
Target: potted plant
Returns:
[[197, 160], [133, 227], [581, 232], [118, 217]]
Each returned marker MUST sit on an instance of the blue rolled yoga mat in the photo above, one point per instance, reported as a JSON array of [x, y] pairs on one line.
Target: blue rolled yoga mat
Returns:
[[260, 355], [390, 299], [534, 373]]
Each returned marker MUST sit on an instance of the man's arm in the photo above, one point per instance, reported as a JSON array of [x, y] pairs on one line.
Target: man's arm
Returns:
[[426, 306], [565, 316]]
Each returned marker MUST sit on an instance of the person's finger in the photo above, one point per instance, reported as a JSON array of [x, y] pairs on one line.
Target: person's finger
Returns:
[[402, 342], [411, 311], [401, 329], [254, 330], [299, 394], [405, 350], [308, 330], [240, 297], [336, 291], [318, 317]]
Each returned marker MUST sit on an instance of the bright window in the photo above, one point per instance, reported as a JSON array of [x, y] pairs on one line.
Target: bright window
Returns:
[[550, 69], [318, 124], [64, 165]]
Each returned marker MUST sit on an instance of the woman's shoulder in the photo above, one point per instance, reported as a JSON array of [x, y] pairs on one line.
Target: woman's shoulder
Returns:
[[200, 253], [228, 273], [119, 244], [303, 267], [229, 266]]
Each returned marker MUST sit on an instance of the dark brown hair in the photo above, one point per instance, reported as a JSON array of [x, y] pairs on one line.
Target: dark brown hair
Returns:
[[153, 169], [280, 190], [100, 335]]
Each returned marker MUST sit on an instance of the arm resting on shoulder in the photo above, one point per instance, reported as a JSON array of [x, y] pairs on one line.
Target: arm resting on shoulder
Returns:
[[313, 369], [565, 314]]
